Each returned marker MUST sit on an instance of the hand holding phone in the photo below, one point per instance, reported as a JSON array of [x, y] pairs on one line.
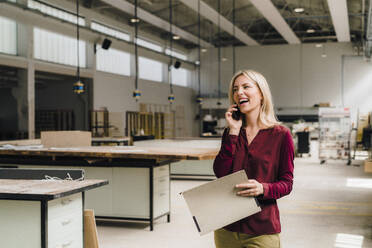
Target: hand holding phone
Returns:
[[236, 115], [234, 119]]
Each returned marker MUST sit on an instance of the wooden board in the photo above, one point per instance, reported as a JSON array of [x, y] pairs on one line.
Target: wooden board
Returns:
[[26, 142], [90, 229], [45, 189], [176, 153], [66, 138]]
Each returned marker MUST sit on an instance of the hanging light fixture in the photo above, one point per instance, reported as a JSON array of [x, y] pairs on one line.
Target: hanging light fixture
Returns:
[[136, 92], [171, 96], [78, 86], [199, 99], [219, 54]]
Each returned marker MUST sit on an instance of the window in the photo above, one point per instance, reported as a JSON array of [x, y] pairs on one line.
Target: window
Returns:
[[53, 11], [180, 76], [176, 54], [113, 61], [150, 69], [149, 45], [58, 48], [110, 31], [8, 36]]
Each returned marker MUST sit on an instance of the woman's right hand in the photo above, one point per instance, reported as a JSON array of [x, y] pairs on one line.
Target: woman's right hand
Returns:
[[234, 125]]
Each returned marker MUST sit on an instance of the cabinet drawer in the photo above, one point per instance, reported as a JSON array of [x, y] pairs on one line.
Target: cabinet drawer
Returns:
[[161, 203], [73, 239], [161, 171], [65, 224], [161, 184], [64, 205]]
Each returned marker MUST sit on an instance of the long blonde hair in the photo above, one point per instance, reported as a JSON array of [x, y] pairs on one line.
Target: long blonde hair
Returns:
[[267, 117]]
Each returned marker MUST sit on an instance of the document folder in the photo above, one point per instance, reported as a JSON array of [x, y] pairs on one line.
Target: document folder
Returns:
[[215, 204]]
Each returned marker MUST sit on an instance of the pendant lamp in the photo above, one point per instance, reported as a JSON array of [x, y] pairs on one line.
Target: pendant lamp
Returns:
[[78, 86], [171, 96]]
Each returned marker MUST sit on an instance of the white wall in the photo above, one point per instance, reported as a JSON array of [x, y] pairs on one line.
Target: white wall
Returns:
[[357, 84], [297, 74], [116, 93]]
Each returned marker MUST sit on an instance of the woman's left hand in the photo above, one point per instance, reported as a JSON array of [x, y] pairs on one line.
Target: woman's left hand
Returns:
[[250, 188]]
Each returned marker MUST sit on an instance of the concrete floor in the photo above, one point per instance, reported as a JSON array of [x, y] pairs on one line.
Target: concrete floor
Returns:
[[330, 206]]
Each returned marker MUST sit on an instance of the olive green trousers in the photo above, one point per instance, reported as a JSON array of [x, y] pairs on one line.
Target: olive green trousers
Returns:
[[227, 239]]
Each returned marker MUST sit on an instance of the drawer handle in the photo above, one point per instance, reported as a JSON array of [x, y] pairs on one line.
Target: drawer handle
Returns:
[[66, 222], [66, 244], [66, 201]]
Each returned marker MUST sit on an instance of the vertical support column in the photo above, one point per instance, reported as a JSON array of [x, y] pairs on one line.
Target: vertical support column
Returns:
[[31, 99], [25, 92], [30, 81]]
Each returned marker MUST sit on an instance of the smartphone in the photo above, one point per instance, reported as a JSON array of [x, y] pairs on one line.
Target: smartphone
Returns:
[[236, 115]]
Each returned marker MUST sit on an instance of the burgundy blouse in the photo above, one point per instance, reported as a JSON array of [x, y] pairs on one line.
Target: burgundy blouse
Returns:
[[269, 160]]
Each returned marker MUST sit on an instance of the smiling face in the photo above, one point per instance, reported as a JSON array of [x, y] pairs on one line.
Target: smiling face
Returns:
[[246, 94]]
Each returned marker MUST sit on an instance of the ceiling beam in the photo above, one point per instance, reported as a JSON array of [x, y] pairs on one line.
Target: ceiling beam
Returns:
[[272, 15], [209, 13], [340, 19], [156, 21]]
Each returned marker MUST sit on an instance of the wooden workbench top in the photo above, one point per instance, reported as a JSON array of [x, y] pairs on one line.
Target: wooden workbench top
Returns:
[[44, 189], [133, 152]]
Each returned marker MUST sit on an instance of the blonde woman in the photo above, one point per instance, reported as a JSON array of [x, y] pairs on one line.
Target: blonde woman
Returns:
[[257, 143]]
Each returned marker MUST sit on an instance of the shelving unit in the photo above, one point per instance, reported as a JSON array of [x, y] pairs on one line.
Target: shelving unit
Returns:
[[54, 120], [334, 134]]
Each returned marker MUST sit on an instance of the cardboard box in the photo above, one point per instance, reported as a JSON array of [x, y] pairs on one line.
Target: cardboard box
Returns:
[[368, 166], [324, 104], [66, 138]]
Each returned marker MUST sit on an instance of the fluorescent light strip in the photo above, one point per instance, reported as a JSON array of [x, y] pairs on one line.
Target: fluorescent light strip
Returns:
[[340, 19]]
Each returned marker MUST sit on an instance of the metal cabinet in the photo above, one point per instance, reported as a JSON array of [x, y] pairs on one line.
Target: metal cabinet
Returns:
[[61, 221]]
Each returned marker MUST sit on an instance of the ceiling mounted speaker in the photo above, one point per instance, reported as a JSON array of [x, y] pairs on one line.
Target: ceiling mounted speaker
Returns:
[[106, 44], [177, 64], [88, 3]]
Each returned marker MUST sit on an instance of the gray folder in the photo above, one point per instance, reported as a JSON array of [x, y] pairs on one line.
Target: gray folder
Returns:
[[215, 204]]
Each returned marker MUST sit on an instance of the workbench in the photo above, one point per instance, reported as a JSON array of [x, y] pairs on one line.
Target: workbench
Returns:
[[188, 169], [43, 213], [139, 177]]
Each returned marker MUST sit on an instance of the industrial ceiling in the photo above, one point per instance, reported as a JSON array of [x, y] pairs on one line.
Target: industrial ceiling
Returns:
[[257, 22]]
